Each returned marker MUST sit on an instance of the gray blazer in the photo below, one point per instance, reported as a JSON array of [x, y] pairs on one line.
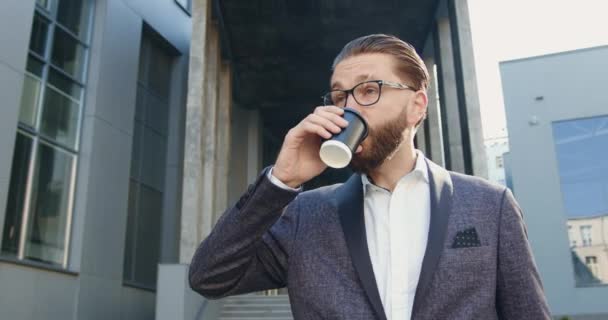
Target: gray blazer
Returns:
[[477, 264]]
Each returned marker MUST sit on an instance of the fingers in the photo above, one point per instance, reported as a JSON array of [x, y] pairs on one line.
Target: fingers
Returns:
[[333, 109], [324, 121], [311, 127], [333, 114]]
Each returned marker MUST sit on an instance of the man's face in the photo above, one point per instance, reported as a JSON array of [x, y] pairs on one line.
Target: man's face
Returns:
[[390, 118]]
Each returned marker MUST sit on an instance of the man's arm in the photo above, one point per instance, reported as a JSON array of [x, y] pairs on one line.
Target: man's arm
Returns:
[[520, 292], [249, 246]]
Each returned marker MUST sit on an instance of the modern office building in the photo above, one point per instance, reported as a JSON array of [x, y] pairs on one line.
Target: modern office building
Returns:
[[128, 126], [557, 116], [93, 100], [495, 158]]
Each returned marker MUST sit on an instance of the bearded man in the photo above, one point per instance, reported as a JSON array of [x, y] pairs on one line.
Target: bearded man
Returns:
[[403, 238]]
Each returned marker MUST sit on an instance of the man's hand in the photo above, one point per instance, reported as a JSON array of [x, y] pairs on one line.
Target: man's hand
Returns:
[[299, 160]]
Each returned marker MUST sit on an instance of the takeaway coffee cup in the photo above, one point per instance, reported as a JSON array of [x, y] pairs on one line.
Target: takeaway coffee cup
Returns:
[[338, 150]]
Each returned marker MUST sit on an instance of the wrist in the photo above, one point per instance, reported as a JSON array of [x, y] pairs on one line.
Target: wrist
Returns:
[[285, 179]]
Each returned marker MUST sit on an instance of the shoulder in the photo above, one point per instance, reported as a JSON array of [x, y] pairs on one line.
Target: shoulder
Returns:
[[473, 183], [320, 195], [476, 191]]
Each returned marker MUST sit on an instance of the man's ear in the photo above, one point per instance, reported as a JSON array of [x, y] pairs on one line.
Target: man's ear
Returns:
[[421, 104]]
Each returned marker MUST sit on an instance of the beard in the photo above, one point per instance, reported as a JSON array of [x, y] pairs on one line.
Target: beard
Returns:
[[381, 144]]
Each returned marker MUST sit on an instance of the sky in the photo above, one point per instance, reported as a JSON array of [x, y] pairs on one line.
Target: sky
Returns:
[[512, 29]]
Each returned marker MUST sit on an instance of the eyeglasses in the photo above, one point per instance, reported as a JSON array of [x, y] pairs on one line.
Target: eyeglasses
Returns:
[[365, 93]]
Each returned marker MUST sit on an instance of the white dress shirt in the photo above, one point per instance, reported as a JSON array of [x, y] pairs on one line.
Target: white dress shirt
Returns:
[[397, 226]]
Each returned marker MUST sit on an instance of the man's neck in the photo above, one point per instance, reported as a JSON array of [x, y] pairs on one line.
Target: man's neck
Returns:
[[392, 170]]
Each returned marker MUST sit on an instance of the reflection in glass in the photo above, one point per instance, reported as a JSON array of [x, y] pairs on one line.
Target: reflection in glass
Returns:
[[582, 149], [65, 84], [74, 15], [49, 205], [16, 194], [148, 162], [40, 28], [44, 3], [29, 100], [129, 264], [59, 118], [34, 66], [68, 54], [147, 236]]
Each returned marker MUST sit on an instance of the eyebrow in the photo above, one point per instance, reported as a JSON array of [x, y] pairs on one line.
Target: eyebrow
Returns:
[[358, 79]]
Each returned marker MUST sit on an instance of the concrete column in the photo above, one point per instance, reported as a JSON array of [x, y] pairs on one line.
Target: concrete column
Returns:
[[467, 82], [223, 139], [454, 158], [193, 225], [254, 145], [433, 132], [209, 131], [237, 183], [421, 138]]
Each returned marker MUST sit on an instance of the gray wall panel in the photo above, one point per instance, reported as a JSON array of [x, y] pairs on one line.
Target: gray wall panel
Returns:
[[106, 210], [98, 299], [167, 18], [33, 293], [117, 67], [15, 27], [137, 304], [573, 86], [11, 83]]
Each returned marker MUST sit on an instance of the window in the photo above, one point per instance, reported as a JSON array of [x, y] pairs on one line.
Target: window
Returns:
[[148, 162], [581, 152], [499, 162], [586, 235], [39, 204], [571, 237], [591, 263]]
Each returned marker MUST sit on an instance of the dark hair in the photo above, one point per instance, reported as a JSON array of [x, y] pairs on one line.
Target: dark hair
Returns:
[[409, 63]]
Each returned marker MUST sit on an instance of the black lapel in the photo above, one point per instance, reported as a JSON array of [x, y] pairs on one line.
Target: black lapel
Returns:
[[349, 202], [441, 201]]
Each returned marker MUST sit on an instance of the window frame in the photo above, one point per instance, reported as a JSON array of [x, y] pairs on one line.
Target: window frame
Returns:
[[50, 14], [187, 7]]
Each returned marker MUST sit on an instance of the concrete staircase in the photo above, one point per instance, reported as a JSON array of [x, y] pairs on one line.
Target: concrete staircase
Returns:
[[256, 307]]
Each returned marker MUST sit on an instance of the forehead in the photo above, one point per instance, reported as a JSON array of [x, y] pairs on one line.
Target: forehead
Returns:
[[371, 66]]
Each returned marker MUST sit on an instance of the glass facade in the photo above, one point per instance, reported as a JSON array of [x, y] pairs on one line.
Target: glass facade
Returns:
[[39, 205], [148, 163], [582, 149]]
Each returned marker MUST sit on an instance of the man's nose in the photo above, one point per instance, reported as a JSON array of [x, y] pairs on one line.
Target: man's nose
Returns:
[[354, 104]]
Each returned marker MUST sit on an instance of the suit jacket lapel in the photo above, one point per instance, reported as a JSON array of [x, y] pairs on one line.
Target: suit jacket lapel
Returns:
[[441, 200], [349, 202]]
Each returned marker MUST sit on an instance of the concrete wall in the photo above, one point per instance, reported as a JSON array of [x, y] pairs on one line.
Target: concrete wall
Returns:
[[573, 85], [93, 288], [453, 132], [246, 151]]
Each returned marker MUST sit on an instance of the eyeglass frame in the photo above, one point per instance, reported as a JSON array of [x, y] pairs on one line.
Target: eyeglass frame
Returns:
[[380, 83]]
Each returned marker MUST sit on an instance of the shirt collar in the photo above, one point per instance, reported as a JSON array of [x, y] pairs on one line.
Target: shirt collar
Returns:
[[420, 170]]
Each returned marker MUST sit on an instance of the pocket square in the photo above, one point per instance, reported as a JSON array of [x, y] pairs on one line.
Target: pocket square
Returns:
[[466, 238]]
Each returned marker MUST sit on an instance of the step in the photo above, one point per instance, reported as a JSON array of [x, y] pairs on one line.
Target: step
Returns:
[[256, 307]]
